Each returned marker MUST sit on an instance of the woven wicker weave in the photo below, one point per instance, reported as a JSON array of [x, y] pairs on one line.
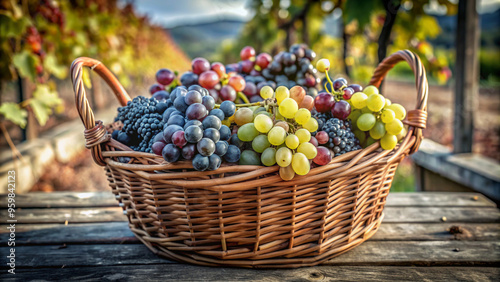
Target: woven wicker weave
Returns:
[[246, 215]]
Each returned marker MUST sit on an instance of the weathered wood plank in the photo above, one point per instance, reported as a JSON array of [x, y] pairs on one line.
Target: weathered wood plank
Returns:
[[119, 233], [438, 199], [106, 199], [392, 215], [185, 272], [369, 253]]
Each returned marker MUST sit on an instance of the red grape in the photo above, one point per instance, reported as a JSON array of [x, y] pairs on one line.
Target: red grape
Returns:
[[263, 60], [348, 91], [307, 103], [200, 65], [250, 89], [314, 141], [310, 81], [246, 66], [155, 88], [339, 83], [323, 157], [247, 53], [341, 110], [208, 79], [324, 102], [165, 76], [178, 139], [254, 72], [157, 147], [192, 97], [227, 93], [214, 93], [322, 137], [219, 68], [237, 82]]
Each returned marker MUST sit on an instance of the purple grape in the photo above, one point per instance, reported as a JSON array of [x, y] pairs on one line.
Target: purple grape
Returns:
[[250, 89], [341, 110], [192, 97], [189, 78], [196, 111], [348, 91], [165, 76], [169, 131], [157, 147], [356, 87], [188, 151]]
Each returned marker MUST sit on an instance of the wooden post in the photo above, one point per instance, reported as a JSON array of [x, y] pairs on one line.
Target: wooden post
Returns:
[[466, 75]]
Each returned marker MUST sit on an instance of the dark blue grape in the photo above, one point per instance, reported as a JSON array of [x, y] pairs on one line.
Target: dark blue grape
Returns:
[[193, 122], [171, 153], [189, 151], [158, 137], [212, 122], [161, 107], [192, 97], [206, 147], [225, 132], [161, 96], [234, 140], [196, 87], [228, 108], [124, 138], [176, 119], [200, 163], [180, 105], [211, 133], [214, 162], [233, 154], [221, 148], [189, 78], [218, 113], [193, 134], [209, 102], [115, 133]]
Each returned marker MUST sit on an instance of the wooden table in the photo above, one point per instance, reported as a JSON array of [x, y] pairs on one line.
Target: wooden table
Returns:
[[84, 236]]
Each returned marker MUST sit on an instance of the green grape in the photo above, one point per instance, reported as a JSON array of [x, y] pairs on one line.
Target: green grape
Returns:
[[281, 94], [358, 100], [266, 92], [276, 136], [398, 110], [365, 110], [394, 127], [263, 123], [387, 102], [243, 116], [300, 164], [249, 157], [401, 134], [387, 115], [375, 102], [377, 131], [323, 65], [279, 116], [247, 132], [370, 90], [311, 125], [288, 108], [366, 121], [260, 143], [292, 141], [354, 115], [388, 142], [370, 141], [302, 116], [308, 150], [287, 173], [303, 134], [283, 157], [268, 157], [360, 135], [259, 110]]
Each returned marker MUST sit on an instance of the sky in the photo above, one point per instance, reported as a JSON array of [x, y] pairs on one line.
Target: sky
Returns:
[[171, 13]]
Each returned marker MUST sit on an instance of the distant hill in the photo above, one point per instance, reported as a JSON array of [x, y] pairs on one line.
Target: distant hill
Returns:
[[203, 39]]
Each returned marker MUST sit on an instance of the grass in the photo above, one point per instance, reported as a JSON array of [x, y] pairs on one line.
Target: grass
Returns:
[[404, 178]]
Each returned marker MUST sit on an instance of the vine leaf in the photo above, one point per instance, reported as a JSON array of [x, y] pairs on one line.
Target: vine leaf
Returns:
[[25, 63], [50, 64], [42, 103], [14, 113]]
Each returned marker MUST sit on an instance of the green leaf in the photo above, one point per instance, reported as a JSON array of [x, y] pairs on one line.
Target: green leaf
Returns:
[[10, 27], [25, 63], [360, 10], [42, 103], [14, 113], [51, 65]]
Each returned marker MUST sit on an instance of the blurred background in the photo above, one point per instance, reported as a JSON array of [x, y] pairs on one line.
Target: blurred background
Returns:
[[40, 39]]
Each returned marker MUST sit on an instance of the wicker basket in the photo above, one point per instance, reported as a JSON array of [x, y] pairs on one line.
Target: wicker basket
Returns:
[[247, 216]]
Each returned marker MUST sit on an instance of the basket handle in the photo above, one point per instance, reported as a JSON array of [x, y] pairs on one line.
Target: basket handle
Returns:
[[417, 118], [95, 132]]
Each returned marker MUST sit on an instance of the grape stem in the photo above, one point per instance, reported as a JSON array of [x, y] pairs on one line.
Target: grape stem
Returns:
[[243, 97]]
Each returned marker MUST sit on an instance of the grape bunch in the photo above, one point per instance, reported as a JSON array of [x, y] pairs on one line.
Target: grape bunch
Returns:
[[336, 134], [285, 69], [194, 131], [142, 120], [373, 116], [279, 133]]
